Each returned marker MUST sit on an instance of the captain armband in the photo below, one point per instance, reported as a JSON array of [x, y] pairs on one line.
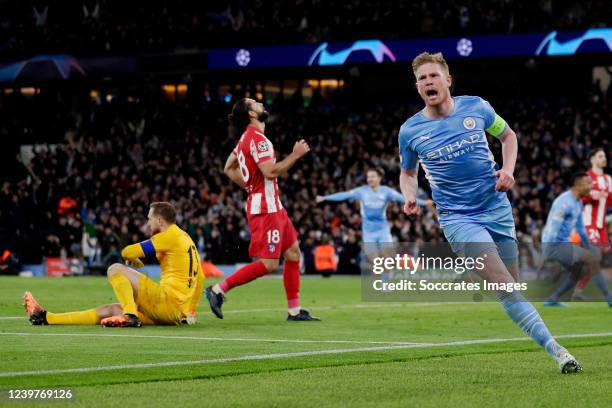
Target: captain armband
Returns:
[[498, 126]]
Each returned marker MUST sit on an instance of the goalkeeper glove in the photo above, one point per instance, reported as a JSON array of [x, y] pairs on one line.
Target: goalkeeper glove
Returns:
[[134, 263], [190, 318]]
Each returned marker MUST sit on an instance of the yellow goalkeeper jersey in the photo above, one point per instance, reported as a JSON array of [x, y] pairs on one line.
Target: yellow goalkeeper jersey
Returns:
[[181, 268]]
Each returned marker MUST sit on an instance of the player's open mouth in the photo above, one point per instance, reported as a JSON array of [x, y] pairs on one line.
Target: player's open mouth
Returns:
[[431, 92]]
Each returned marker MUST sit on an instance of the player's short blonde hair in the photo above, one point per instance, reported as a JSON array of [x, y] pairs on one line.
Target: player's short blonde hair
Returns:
[[425, 58]]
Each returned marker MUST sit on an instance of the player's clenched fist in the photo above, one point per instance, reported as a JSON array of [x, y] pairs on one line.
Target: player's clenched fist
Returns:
[[301, 148], [505, 180], [412, 208]]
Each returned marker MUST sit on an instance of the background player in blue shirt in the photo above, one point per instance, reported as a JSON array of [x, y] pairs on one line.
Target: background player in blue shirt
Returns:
[[373, 199], [564, 216], [448, 138]]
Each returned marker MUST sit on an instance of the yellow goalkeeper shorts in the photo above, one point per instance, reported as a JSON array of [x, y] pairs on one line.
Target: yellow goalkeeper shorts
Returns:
[[157, 305]]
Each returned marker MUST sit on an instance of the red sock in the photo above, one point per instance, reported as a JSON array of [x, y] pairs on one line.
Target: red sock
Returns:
[[243, 275], [291, 279], [583, 282]]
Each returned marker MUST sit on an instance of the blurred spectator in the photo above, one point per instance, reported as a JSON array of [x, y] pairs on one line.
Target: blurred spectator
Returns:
[[40, 17], [350, 255], [9, 263], [112, 256], [325, 258], [52, 246]]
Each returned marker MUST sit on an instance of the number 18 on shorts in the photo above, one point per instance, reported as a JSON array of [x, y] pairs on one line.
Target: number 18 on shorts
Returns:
[[271, 234]]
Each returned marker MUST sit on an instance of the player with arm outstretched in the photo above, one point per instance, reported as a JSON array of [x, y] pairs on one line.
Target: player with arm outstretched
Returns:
[[448, 137], [373, 199], [141, 300], [252, 165], [594, 213]]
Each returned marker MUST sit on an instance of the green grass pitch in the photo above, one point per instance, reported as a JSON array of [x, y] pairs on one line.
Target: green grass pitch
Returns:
[[361, 354]]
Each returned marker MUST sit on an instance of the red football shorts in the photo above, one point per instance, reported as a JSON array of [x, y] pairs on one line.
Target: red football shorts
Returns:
[[271, 234]]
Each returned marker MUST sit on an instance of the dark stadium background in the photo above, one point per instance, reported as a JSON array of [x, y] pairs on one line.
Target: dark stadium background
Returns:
[[154, 126]]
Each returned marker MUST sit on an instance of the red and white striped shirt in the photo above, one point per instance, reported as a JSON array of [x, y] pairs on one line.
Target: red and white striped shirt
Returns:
[[594, 212], [252, 149]]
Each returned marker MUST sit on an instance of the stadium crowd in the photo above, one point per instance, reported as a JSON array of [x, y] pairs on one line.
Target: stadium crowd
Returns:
[[109, 26], [87, 195]]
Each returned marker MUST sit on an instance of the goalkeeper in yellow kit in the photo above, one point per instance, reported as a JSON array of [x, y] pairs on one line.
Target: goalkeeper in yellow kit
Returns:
[[141, 300]]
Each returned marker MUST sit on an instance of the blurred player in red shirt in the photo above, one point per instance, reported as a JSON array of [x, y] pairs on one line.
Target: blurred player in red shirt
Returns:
[[252, 165], [594, 212]]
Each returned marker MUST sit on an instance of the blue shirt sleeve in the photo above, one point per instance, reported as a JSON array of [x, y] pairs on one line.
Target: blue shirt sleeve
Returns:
[[488, 113], [556, 217], [408, 157], [343, 196]]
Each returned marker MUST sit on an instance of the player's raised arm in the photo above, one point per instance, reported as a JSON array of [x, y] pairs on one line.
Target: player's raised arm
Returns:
[[232, 170], [272, 170], [341, 196]]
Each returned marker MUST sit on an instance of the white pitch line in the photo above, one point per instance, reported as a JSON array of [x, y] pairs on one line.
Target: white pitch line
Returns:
[[138, 336], [11, 317], [281, 355]]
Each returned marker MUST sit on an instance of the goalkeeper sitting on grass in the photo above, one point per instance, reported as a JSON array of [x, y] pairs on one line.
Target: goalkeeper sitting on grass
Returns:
[[141, 300]]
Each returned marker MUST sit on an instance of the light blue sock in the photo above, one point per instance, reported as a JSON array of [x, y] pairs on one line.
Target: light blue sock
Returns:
[[528, 319], [601, 283]]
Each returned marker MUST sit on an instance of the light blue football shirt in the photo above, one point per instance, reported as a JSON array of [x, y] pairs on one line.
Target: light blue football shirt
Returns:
[[373, 204], [455, 155], [564, 215]]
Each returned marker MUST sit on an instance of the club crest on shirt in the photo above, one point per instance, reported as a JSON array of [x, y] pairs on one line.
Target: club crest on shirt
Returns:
[[271, 248], [262, 146], [469, 123]]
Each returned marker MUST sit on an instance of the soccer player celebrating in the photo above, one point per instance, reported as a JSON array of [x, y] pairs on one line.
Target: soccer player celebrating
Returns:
[[141, 300], [448, 137], [252, 165], [594, 212], [565, 215], [373, 200]]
